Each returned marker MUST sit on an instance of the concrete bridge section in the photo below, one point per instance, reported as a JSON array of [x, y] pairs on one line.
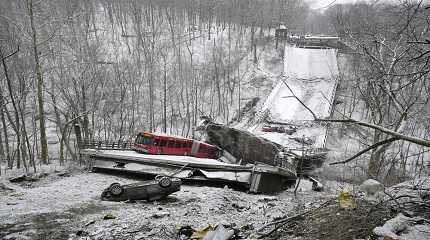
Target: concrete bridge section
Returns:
[[312, 74], [256, 178]]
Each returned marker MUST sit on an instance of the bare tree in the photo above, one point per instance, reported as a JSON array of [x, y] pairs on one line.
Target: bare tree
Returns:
[[39, 77]]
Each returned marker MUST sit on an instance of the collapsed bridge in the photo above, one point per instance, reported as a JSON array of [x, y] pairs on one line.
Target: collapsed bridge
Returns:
[[253, 159]]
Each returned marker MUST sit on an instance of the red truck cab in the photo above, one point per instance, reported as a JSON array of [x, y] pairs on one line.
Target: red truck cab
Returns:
[[152, 143]]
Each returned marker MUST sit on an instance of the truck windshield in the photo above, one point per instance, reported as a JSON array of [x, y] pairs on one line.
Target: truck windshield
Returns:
[[142, 139]]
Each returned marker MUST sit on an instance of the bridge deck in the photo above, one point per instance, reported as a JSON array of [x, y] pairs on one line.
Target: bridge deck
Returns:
[[164, 160], [257, 177]]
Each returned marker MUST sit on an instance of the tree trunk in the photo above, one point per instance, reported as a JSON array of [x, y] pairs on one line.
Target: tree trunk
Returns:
[[14, 124], [27, 142], [39, 77], [86, 122], [6, 135], [2, 155], [165, 96]]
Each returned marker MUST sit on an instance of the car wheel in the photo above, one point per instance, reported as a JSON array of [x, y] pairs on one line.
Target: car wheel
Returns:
[[165, 182], [105, 195], [116, 189]]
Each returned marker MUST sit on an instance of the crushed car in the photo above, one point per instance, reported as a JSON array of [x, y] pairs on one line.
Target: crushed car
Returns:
[[151, 190]]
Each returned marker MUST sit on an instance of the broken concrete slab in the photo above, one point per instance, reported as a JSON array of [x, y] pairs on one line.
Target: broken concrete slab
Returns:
[[248, 148], [244, 146]]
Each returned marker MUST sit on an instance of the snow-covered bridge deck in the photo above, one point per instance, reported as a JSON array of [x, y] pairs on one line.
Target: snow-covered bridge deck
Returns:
[[164, 160], [312, 75]]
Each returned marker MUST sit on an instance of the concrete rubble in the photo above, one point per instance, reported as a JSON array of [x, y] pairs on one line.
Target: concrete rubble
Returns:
[[404, 228]]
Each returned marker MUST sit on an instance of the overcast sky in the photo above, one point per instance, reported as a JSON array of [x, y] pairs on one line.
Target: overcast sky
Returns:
[[318, 4]]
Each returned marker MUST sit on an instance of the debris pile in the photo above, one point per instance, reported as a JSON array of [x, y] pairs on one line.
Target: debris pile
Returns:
[[398, 212], [412, 197], [330, 221], [412, 200], [404, 228]]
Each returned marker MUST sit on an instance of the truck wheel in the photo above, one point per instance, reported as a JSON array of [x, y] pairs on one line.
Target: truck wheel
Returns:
[[165, 182], [218, 154], [116, 189]]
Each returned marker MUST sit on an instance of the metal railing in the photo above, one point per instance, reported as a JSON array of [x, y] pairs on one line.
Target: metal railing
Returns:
[[105, 145]]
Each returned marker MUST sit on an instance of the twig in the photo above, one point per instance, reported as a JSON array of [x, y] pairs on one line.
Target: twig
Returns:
[[397, 202]]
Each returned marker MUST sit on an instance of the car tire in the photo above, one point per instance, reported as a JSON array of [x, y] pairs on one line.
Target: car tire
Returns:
[[105, 195], [116, 189], [165, 182]]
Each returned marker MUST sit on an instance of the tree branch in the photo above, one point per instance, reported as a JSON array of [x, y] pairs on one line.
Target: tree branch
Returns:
[[419, 141], [386, 141], [400, 136], [300, 101]]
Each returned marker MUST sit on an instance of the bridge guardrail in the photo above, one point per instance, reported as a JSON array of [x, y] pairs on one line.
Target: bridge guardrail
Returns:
[[105, 145]]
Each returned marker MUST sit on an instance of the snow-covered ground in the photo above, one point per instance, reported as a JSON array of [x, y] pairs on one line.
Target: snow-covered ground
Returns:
[[62, 208], [69, 207]]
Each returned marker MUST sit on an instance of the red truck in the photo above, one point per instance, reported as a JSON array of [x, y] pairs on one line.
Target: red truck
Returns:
[[152, 143]]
